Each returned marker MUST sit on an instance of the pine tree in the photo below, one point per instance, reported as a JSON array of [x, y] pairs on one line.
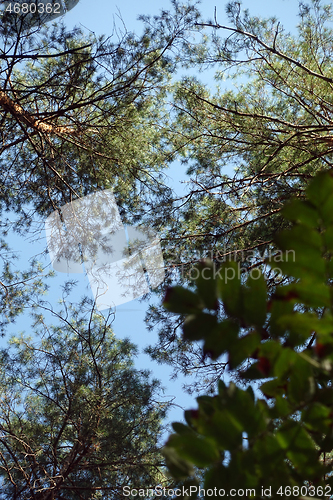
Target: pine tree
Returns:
[[270, 118], [77, 420]]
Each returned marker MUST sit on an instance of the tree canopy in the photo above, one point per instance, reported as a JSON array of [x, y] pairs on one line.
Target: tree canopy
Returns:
[[78, 113], [250, 142], [83, 113], [77, 420]]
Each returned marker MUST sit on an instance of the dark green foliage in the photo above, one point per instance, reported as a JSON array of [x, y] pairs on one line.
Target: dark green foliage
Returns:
[[77, 420], [279, 436]]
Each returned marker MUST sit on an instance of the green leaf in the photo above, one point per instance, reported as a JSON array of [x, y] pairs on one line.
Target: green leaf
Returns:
[[226, 429], [273, 388], [300, 448], [299, 326], [317, 417], [313, 293], [182, 301], [284, 363], [254, 301], [282, 407], [293, 436], [243, 349], [320, 192], [307, 291], [181, 428], [307, 247], [217, 477], [206, 283], [292, 368], [299, 237], [220, 339], [326, 208], [230, 290], [302, 211], [199, 451], [281, 305], [268, 450], [178, 467], [327, 237], [199, 326]]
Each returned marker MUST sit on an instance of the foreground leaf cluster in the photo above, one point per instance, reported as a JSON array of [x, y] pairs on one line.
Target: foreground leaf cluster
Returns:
[[281, 435]]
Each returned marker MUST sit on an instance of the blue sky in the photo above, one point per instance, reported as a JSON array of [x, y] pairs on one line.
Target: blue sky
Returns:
[[99, 16]]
